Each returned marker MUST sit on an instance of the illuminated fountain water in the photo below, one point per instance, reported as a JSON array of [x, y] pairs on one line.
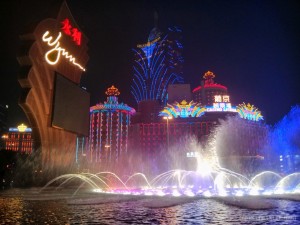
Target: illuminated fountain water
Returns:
[[209, 179]]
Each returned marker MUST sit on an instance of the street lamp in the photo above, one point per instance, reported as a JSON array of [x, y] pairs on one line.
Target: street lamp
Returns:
[[107, 148], [167, 118]]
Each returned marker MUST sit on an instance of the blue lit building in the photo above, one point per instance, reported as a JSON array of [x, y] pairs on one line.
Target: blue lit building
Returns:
[[157, 64], [109, 124]]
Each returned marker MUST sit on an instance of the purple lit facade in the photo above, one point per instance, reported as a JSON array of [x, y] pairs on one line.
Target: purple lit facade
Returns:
[[109, 128], [155, 135]]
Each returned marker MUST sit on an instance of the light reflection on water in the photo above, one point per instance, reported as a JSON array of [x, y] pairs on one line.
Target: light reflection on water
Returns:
[[15, 209]]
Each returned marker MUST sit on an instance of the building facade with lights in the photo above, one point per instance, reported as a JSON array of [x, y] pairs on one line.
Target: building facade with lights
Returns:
[[206, 92], [176, 122], [53, 55], [157, 64], [109, 129], [155, 142], [19, 139]]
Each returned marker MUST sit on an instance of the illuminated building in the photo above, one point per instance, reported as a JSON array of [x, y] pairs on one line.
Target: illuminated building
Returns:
[[109, 125], [197, 118], [53, 56], [18, 139], [157, 64], [206, 93], [154, 141]]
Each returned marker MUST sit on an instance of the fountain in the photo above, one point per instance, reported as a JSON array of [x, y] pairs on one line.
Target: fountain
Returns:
[[211, 188], [208, 180]]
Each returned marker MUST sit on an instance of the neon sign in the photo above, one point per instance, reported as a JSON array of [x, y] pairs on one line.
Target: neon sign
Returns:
[[71, 31], [22, 128], [220, 107], [222, 98], [221, 104], [183, 110], [249, 112], [53, 55]]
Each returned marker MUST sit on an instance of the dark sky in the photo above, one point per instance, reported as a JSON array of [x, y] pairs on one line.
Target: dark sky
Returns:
[[253, 47]]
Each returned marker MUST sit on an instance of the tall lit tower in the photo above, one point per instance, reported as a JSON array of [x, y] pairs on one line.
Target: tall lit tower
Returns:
[[109, 124], [157, 63]]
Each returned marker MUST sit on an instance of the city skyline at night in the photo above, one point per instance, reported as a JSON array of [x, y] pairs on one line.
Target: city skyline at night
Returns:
[[252, 46]]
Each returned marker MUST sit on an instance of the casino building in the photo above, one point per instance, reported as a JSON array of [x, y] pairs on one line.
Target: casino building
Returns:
[[109, 128], [18, 139], [181, 122], [53, 56], [157, 64], [205, 94]]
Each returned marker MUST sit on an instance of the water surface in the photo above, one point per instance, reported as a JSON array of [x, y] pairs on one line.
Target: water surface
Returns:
[[28, 207]]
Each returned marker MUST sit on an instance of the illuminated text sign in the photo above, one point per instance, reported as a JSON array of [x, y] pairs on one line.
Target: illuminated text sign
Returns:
[[222, 103], [71, 31], [222, 98], [219, 107], [53, 55]]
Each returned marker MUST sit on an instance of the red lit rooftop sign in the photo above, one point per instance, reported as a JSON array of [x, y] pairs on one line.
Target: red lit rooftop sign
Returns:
[[71, 31]]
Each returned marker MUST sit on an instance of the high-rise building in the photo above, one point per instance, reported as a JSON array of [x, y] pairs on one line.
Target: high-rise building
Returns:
[[157, 63], [53, 56], [109, 124]]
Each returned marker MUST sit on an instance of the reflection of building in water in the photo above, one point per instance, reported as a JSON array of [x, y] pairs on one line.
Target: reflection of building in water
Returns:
[[18, 139], [109, 124]]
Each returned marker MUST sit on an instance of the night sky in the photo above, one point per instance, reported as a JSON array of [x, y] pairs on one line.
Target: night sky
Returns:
[[253, 47]]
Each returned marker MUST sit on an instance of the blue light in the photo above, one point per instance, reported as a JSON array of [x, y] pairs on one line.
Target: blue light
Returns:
[[158, 63]]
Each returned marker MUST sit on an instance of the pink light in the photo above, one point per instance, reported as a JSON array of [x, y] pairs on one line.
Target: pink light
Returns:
[[210, 86]]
